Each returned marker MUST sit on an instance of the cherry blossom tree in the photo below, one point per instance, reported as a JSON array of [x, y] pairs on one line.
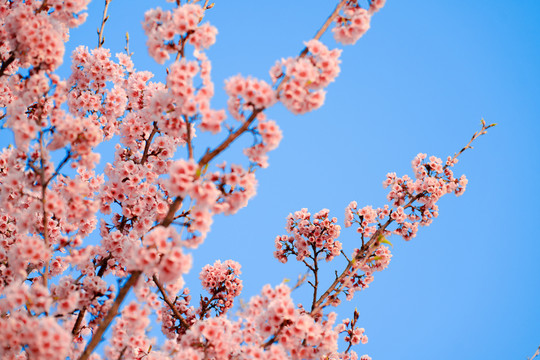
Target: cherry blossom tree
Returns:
[[154, 204]]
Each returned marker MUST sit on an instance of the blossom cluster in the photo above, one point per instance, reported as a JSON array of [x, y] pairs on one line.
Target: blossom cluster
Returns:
[[187, 99], [129, 339], [98, 91], [163, 27], [413, 202], [309, 238], [216, 192], [270, 327], [34, 32], [222, 282], [360, 274], [247, 94], [305, 78], [161, 253], [354, 335], [354, 21], [269, 137]]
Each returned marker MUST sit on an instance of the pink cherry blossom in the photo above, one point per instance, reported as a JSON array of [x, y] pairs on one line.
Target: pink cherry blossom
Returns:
[[74, 241]]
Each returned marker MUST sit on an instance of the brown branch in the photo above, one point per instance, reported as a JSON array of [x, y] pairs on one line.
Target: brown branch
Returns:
[[78, 322], [148, 143], [6, 63], [537, 353], [182, 44], [103, 266], [326, 24], [103, 326], [188, 130], [274, 338], [101, 39], [315, 270], [364, 253], [169, 218], [43, 203], [44, 7], [475, 136], [163, 292], [183, 39], [209, 155], [121, 355], [58, 168]]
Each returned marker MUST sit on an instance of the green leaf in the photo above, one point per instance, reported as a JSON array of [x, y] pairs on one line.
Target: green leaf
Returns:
[[384, 240]]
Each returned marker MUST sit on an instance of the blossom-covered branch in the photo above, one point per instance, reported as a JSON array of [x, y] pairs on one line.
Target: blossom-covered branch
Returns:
[[153, 205]]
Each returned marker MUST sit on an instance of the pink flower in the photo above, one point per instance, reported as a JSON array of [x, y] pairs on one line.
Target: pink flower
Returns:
[[354, 23]]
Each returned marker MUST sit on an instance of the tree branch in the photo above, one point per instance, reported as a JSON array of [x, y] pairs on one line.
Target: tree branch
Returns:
[[101, 39], [537, 353], [188, 130], [163, 292], [6, 63], [148, 143], [208, 156], [98, 334]]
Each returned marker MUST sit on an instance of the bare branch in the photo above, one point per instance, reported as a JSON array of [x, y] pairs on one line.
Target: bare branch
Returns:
[[537, 353], [101, 39]]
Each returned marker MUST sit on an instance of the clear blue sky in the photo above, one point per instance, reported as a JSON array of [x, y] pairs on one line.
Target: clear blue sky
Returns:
[[420, 80]]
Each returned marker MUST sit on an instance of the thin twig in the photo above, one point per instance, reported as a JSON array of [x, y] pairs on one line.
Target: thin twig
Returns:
[[163, 292], [148, 143], [274, 338], [300, 281], [371, 246], [537, 353], [101, 39], [44, 7], [127, 45], [59, 167], [475, 136], [205, 7], [315, 274]]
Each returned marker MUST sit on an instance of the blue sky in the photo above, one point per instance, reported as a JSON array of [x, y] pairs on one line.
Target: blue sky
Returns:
[[420, 80]]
